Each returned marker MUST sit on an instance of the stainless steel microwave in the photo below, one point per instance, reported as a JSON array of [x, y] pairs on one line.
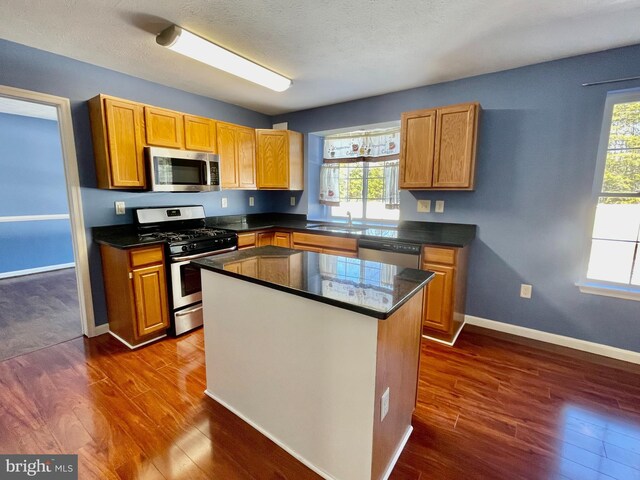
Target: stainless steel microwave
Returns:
[[172, 170]]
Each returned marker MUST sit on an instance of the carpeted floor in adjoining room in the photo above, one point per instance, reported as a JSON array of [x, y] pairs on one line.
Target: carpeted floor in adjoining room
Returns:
[[37, 311]]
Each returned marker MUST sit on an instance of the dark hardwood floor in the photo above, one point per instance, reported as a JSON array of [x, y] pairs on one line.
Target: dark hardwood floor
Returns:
[[488, 409], [37, 311]]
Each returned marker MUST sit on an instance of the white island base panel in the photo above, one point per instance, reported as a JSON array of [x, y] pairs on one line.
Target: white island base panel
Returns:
[[305, 374]]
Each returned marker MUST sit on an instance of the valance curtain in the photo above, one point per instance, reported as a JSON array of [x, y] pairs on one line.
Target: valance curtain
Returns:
[[361, 146]]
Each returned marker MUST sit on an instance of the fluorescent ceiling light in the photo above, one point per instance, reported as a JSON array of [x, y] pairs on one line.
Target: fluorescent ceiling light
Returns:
[[182, 41]]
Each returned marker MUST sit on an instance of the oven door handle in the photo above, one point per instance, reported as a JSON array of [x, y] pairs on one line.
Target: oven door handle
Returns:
[[200, 255], [189, 311]]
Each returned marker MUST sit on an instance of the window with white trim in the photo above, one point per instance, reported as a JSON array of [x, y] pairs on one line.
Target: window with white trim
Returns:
[[614, 259], [359, 175]]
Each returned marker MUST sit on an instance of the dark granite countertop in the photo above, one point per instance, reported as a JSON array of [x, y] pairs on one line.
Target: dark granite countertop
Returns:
[[121, 236], [370, 288], [445, 234]]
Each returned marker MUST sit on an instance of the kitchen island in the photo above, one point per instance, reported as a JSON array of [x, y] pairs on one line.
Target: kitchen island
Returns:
[[318, 352]]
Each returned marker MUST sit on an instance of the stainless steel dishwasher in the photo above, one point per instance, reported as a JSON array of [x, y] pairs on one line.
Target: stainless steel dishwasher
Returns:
[[392, 252]]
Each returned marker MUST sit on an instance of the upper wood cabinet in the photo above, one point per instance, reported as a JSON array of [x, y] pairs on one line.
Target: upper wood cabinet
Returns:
[[237, 150], [164, 128], [200, 134], [117, 128], [438, 147], [280, 160]]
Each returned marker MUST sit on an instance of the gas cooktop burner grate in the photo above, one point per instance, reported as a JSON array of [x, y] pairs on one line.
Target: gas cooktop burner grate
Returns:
[[182, 235]]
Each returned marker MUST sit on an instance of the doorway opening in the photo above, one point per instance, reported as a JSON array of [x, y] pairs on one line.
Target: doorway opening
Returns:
[[45, 295]]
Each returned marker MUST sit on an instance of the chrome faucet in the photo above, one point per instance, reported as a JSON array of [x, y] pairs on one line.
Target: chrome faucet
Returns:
[[350, 221]]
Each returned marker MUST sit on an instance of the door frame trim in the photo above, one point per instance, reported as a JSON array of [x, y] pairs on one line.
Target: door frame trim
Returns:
[[74, 196]]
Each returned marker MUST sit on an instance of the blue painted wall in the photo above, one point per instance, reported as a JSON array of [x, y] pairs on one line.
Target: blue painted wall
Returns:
[[32, 183], [539, 133], [31, 69]]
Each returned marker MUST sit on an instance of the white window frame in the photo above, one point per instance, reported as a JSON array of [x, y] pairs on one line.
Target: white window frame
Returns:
[[365, 186], [602, 287]]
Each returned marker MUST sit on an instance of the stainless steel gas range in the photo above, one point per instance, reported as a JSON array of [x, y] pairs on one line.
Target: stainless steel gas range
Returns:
[[187, 238]]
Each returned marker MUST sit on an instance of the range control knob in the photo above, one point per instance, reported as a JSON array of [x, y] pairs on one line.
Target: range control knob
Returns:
[[184, 248]]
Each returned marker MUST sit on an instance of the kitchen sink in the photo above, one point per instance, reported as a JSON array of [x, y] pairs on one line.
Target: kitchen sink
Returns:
[[338, 228]]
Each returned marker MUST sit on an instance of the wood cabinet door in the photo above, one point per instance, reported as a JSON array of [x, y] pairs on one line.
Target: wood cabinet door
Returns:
[[125, 143], [417, 148], [274, 269], [200, 134], [227, 148], [437, 309], [246, 157], [246, 240], [273, 161], [250, 267], [264, 239], [150, 297], [164, 128], [454, 162], [282, 239]]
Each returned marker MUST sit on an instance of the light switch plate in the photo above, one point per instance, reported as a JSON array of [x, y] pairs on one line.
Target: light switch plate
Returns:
[[293, 201], [439, 206], [525, 290], [224, 202], [251, 201], [424, 205], [120, 208]]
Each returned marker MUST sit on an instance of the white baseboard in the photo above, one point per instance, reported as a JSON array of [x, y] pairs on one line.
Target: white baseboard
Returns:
[[133, 347], [576, 344], [30, 271], [100, 330], [396, 455]]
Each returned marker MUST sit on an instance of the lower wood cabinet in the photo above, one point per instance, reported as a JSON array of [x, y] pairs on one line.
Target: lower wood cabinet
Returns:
[[444, 303], [346, 247], [282, 239], [136, 292], [263, 238], [246, 240]]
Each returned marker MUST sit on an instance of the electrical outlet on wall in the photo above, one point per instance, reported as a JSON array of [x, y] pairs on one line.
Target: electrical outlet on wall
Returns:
[[424, 205], [120, 208], [439, 206], [525, 290], [384, 404], [223, 202], [251, 201], [293, 201]]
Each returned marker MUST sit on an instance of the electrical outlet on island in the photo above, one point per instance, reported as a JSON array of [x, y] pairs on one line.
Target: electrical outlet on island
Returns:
[[384, 404]]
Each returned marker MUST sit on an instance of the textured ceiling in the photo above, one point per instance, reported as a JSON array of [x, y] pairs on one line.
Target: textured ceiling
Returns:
[[333, 50]]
